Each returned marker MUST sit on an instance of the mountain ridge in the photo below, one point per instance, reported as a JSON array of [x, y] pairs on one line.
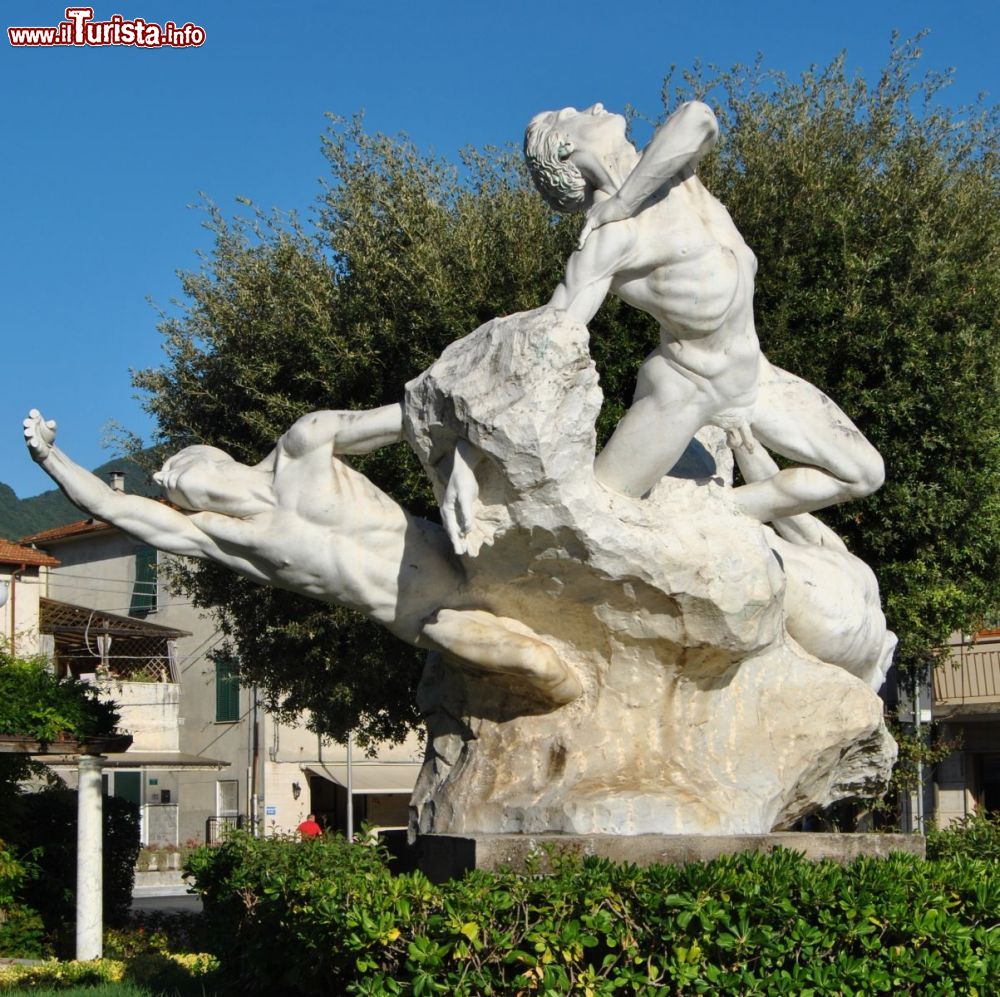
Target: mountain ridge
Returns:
[[22, 517]]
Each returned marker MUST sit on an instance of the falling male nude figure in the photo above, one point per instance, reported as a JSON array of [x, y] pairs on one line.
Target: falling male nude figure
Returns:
[[656, 238], [303, 519]]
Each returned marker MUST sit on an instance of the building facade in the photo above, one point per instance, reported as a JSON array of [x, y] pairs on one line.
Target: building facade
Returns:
[[22, 574], [205, 755], [966, 705]]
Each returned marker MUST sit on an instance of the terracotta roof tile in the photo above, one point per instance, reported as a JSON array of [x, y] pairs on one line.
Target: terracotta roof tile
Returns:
[[11, 553], [76, 529], [81, 527]]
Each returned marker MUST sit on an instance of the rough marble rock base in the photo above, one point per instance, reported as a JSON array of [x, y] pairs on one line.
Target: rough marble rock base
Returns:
[[447, 856], [698, 713]]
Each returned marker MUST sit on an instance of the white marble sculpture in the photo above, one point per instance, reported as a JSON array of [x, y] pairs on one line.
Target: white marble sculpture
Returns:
[[656, 238], [611, 650]]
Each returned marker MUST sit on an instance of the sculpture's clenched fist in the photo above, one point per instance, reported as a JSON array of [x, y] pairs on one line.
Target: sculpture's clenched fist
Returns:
[[39, 434]]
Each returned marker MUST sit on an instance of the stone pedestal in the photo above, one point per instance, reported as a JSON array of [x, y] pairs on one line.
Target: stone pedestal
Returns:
[[448, 856]]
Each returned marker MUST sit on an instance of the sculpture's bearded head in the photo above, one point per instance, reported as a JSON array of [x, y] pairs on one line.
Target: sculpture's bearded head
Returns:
[[206, 479], [558, 143], [546, 151]]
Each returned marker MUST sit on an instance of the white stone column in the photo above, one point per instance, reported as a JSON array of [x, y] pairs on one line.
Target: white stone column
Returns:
[[89, 860]]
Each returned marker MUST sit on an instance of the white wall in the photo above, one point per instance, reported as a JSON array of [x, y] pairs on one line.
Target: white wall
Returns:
[[98, 571], [150, 712], [19, 616]]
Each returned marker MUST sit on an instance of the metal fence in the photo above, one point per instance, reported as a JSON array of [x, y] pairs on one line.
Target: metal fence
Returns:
[[216, 828]]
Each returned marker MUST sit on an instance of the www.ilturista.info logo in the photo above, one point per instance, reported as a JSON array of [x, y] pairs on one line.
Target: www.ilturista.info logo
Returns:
[[80, 29]]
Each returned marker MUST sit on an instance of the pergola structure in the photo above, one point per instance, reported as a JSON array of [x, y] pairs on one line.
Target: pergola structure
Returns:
[[90, 827], [88, 640]]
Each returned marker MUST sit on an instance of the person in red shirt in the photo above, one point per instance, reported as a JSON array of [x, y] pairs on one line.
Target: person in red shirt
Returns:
[[309, 828]]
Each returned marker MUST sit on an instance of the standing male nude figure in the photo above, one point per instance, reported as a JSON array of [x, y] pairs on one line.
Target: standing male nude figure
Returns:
[[656, 238]]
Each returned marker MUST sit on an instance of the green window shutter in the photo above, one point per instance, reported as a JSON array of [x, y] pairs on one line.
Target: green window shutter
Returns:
[[144, 590], [227, 691]]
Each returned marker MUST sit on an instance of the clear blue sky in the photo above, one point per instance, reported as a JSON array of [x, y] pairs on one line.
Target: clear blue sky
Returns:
[[106, 147]]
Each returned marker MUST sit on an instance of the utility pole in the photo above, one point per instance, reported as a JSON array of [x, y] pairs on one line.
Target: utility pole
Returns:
[[350, 786]]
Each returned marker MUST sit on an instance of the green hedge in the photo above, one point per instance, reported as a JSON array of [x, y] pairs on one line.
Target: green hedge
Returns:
[[22, 934], [159, 974], [321, 917]]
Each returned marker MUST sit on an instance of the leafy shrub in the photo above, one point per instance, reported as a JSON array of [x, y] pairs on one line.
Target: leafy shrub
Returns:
[[324, 917], [15, 871], [246, 872], [60, 975], [155, 932], [976, 836], [22, 934], [170, 973], [35, 703]]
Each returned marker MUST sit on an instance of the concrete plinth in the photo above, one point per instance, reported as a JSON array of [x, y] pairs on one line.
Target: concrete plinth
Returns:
[[447, 856]]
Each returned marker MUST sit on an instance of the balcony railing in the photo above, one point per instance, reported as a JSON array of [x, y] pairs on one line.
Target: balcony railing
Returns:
[[971, 678]]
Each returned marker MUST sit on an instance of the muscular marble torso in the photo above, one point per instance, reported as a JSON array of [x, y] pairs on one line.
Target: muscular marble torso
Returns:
[[688, 266]]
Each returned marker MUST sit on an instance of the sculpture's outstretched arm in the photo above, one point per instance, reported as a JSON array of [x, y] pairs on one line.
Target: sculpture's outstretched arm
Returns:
[[348, 432], [677, 145], [756, 464], [590, 271], [146, 519]]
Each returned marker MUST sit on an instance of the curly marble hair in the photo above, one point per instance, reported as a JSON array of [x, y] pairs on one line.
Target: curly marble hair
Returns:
[[556, 178]]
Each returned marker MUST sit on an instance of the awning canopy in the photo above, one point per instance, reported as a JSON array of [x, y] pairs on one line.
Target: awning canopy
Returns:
[[168, 761], [371, 777]]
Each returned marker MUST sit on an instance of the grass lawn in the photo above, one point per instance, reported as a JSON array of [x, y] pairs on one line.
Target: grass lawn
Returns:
[[97, 990], [110, 990]]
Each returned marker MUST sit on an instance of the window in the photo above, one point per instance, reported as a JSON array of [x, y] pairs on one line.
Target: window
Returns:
[[144, 589], [227, 691], [227, 798], [126, 785], [989, 783]]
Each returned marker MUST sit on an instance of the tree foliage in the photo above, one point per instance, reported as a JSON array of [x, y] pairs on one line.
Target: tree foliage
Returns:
[[37, 705], [873, 211]]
